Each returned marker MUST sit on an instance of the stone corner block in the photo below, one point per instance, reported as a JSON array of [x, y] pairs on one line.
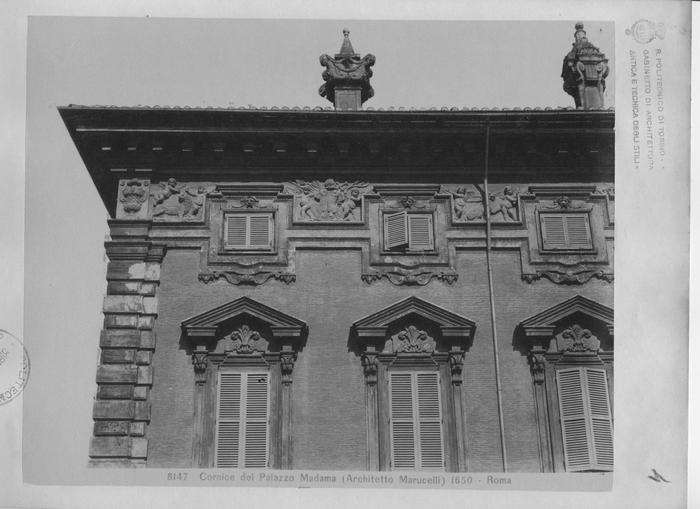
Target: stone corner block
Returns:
[[139, 448], [110, 447]]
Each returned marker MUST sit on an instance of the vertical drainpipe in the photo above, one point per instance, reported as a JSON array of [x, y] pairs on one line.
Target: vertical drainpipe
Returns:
[[487, 214]]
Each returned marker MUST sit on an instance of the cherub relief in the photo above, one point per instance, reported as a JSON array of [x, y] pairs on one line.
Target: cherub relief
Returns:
[[172, 199], [469, 206], [329, 200]]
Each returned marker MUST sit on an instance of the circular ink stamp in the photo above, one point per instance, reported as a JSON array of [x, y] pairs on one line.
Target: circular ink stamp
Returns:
[[14, 367], [644, 31]]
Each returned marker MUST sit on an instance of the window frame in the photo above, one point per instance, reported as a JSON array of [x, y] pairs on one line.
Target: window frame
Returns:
[[588, 417], [545, 365], [406, 247], [248, 247], [417, 432], [565, 214], [243, 419]]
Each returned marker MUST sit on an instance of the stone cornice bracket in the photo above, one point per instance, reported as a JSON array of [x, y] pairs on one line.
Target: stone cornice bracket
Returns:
[[347, 77], [584, 71], [537, 363], [287, 359], [456, 365], [199, 361], [370, 365]]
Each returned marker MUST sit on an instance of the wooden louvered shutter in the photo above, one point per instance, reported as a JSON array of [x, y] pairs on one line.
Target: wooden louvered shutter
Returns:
[[566, 231], [228, 421], [395, 230], [601, 418], [416, 422], [249, 231], [403, 432], [578, 231], [429, 421], [242, 420], [585, 419], [553, 231], [420, 232], [236, 231], [259, 228]]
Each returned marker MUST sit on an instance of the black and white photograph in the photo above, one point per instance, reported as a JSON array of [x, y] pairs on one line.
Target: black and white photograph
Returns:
[[310, 254]]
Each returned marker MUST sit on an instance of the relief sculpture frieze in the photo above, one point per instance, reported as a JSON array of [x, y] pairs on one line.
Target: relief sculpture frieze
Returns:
[[468, 204], [328, 201], [176, 201]]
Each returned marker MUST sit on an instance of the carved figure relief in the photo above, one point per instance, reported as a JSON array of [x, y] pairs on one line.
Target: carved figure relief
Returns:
[[468, 205], [133, 194], [172, 202], [329, 200]]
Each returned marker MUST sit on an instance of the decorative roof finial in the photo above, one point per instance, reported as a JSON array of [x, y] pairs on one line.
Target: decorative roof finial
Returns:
[[346, 48], [347, 77], [584, 71]]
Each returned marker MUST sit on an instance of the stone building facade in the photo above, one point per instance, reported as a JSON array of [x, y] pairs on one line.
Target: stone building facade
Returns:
[[352, 289]]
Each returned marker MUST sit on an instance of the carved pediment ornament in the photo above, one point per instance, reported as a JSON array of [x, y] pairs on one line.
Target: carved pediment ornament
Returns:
[[244, 340], [578, 339], [411, 339]]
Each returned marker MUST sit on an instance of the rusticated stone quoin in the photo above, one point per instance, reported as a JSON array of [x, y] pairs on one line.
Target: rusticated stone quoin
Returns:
[[121, 410]]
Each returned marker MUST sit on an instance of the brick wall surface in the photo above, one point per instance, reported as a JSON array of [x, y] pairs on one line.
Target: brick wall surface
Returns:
[[329, 418]]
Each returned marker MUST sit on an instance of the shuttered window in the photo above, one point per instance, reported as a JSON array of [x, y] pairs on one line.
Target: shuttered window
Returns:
[[249, 231], [566, 231], [408, 231], [416, 421], [586, 419], [242, 423]]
